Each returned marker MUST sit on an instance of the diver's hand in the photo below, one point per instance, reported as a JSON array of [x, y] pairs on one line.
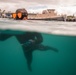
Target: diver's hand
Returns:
[[29, 43]]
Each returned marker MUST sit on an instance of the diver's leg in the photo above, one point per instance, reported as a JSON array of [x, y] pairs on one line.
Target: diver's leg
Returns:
[[27, 53], [28, 56], [45, 48], [4, 36], [27, 49]]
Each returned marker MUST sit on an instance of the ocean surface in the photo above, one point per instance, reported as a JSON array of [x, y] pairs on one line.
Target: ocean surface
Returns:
[[56, 35]]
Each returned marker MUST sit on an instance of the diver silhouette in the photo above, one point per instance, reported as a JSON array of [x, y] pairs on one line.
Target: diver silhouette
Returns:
[[29, 41]]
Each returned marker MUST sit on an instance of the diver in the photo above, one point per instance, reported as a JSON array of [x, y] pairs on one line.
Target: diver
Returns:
[[29, 41]]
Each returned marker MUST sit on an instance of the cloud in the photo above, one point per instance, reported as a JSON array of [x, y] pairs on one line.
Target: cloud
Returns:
[[10, 1], [46, 2], [38, 5]]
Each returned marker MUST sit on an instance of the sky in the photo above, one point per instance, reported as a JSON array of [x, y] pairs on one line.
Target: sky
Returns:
[[36, 6]]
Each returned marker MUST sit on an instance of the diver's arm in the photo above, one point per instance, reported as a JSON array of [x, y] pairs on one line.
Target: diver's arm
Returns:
[[39, 38]]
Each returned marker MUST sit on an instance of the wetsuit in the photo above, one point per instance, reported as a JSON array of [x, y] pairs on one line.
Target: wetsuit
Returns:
[[29, 42]]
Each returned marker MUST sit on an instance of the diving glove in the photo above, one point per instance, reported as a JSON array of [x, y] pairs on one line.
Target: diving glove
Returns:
[[29, 43]]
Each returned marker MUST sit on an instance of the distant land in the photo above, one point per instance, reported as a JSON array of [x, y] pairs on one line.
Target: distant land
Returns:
[[48, 14]]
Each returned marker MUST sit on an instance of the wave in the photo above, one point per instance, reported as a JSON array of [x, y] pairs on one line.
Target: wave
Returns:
[[49, 27]]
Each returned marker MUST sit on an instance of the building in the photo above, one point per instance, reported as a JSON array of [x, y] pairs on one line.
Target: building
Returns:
[[49, 11], [45, 14], [32, 15], [48, 14]]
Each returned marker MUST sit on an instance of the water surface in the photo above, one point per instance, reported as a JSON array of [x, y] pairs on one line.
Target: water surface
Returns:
[[50, 62]]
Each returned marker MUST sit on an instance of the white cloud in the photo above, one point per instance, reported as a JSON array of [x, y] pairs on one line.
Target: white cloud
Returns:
[[53, 2]]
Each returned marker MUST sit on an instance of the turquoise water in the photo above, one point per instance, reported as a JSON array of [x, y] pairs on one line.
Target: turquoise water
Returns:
[[63, 62]]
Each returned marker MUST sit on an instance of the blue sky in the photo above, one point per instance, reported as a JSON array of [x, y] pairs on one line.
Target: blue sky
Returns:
[[61, 6]]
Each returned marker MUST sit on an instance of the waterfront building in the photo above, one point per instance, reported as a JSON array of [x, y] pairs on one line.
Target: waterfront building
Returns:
[[49, 14]]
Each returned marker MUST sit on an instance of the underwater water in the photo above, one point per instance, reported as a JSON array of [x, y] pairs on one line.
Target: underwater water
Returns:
[[49, 62]]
